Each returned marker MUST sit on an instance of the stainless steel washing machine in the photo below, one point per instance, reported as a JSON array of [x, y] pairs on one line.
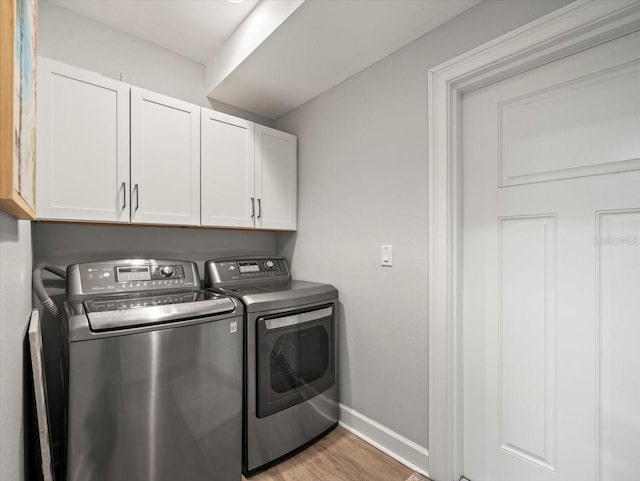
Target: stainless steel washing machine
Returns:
[[291, 358], [154, 374]]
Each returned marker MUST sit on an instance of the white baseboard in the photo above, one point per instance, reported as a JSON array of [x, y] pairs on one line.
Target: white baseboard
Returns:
[[389, 442]]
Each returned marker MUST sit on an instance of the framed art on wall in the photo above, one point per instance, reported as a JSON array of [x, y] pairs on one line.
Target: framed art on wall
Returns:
[[18, 34]]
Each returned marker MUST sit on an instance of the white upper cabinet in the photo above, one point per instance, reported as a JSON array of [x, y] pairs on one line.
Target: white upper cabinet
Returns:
[[83, 145], [276, 179], [110, 152], [227, 170], [249, 174], [165, 160]]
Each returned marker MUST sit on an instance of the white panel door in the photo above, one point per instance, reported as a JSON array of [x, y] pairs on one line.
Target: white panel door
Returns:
[[165, 160], [551, 276], [227, 170], [83, 145], [276, 179]]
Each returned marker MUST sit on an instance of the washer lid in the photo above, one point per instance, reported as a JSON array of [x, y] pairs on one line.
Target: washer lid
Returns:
[[121, 312]]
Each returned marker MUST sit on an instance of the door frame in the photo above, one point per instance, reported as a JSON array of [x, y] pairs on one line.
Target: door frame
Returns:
[[570, 29]]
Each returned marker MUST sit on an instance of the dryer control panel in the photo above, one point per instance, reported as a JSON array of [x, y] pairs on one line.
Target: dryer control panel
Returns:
[[246, 269]]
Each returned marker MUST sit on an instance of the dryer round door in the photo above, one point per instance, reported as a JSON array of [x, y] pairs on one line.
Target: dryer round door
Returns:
[[295, 357]]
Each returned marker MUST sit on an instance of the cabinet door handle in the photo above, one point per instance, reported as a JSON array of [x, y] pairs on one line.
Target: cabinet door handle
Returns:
[[253, 207], [124, 195], [259, 208], [137, 191]]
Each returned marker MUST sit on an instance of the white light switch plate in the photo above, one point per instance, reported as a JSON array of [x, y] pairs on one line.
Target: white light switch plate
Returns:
[[386, 256]]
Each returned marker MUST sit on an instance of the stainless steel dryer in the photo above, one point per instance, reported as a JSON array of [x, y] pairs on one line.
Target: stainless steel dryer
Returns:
[[291, 372], [154, 374]]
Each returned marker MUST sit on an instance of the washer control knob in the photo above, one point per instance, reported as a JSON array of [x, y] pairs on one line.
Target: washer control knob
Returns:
[[166, 271], [269, 264]]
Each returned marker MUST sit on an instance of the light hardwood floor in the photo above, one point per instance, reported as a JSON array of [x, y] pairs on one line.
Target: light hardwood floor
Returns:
[[339, 456]]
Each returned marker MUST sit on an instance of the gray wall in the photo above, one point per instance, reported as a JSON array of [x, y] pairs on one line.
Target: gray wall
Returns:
[[71, 38], [63, 244], [362, 183], [15, 308]]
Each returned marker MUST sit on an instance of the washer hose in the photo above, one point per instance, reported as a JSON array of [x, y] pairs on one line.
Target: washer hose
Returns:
[[41, 292]]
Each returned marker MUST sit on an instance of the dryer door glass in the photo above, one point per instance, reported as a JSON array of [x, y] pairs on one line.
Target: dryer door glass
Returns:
[[299, 357], [295, 358]]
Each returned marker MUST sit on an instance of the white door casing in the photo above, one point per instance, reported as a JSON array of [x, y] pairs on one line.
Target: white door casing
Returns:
[[276, 188], [83, 145], [561, 33], [227, 170], [165, 160]]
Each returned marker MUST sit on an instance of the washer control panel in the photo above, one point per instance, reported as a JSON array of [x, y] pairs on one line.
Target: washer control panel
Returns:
[[151, 272], [249, 269], [131, 275]]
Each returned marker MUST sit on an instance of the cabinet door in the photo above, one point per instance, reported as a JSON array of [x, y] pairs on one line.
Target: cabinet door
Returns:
[[165, 160], [83, 145], [276, 179], [227, 165]]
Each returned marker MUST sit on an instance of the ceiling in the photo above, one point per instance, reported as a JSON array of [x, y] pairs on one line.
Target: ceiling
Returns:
[[271, 56], [195, 29], [323, 43]]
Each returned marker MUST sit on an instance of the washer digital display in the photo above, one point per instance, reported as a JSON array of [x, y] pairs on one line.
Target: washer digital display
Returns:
[[248, 267], [130, 274]]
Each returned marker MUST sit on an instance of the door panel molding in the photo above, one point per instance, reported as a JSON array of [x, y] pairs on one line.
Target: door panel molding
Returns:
[[516, 167], [527, 275], [617, 238], [579, 25]]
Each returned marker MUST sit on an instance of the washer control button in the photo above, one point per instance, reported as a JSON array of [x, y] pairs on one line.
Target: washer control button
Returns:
[[167, 271]]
